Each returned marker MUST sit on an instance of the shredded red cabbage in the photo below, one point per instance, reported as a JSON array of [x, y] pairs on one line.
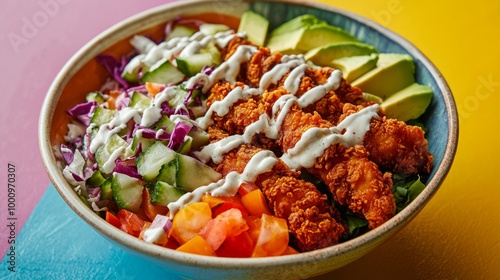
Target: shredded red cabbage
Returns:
[[178, 135], [115, 67], [83, 111], [126, 167], [67, 154]]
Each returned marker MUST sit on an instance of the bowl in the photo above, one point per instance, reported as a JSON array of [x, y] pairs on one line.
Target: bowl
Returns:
[[82, 74]]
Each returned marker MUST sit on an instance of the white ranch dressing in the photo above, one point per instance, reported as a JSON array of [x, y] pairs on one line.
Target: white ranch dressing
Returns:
[[260, 163]]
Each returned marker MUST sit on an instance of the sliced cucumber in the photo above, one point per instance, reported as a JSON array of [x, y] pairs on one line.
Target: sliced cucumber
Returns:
[[165, 74], [102, 115], [139, 100], [200, 138], [106, 191], [165, 123], [168, 172], [178, 99], [193, 64], [151, 160], [96, 180], [213, 28], [186, 146], [133, 68], [95, 96], [192, 173], [145, 143], [104, 152], [180, 31], [163, 193], [127, 191]]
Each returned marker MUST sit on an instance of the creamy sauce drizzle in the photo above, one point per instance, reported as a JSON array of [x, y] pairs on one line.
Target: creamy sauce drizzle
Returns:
[[260, 163]]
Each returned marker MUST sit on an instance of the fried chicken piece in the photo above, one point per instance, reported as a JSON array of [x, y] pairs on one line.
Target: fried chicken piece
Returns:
[[395, 146], [312, 222], [353, 179]]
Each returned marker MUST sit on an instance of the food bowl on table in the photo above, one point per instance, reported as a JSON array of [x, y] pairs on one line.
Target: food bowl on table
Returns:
[[83, 74]]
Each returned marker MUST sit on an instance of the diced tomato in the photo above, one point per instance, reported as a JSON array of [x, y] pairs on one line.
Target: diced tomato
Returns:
[[188, 222], [112, 219], [130, 222], [240, 246], [254, 223], [255, 203], [228, 224], [150, 209], [197, 245], [226, 205], [273, 237], [246, 187]]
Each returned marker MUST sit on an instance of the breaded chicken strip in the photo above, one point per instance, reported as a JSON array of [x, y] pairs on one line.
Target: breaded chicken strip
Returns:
[[312, 222], [395, 146]]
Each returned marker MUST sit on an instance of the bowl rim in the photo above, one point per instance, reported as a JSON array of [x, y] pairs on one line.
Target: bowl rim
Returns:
[[109, 231]]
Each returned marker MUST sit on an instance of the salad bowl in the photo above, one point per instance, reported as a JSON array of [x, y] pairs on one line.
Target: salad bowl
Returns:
[[83, 74]]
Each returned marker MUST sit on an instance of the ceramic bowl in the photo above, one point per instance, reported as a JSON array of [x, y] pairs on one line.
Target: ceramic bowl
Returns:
[[83, 74]]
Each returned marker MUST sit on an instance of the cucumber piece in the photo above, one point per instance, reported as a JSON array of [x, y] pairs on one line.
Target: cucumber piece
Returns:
[[127, 192], [139, 100], [106, 192], [134, 66], [102, 115], [180, 31], [96, 180], [186, 146], [200, 138], [145, 143], [165, 123], [165, 74], [178, 98], [193, 64], [168, 172], [95, 96], [192, 173], [104, 152], [163, 193], [213, 28], [151, 160]]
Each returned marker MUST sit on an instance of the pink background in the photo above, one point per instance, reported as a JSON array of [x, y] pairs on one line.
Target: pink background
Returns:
[[37, 38]]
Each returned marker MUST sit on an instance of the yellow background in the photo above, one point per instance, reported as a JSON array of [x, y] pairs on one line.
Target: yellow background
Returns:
[[457, 235]]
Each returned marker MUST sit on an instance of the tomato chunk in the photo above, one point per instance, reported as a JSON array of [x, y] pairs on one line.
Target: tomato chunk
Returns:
[[188, 222], [240, 246], [112, 219], [273, 237], [228, 224], [130, 222], [226, 205]]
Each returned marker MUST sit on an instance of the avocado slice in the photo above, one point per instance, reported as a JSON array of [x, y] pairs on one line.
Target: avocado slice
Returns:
[[408, 103], [307, 38], [255, 26], [297, 23], [323, 55], [353, 67], [393, 73]]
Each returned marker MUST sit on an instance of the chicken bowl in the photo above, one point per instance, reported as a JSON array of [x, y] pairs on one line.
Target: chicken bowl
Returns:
[[248, 139]]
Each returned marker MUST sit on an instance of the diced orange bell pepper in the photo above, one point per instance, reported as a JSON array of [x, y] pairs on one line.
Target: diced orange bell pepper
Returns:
[[113, 95], [190, 220], [154, 88], [273, 237], [197, 245], [255, 203]]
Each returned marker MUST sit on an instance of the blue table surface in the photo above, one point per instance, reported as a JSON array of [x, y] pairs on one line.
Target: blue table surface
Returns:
[[55, 243]]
